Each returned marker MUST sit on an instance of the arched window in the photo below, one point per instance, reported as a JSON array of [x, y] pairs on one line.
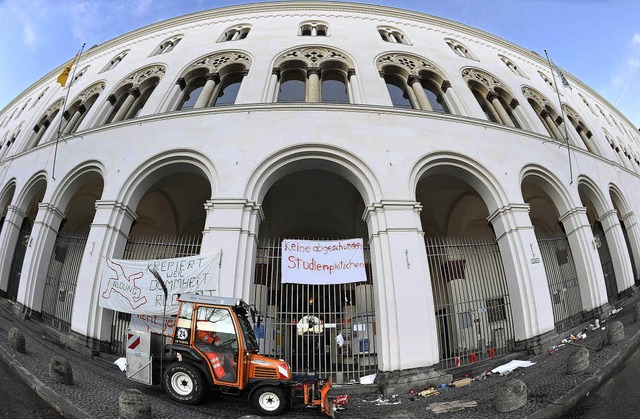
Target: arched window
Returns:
[[413, 82], [547, 80], [39, 97], [392, 35], [580, 127], [460, 49], [167, 45], [497, 103], [545, 112], [514, 68], [313, 75], [76, 112], [235, 33], [114, 61], [313, 28], [132, 94], [44, 124], [214, 80]]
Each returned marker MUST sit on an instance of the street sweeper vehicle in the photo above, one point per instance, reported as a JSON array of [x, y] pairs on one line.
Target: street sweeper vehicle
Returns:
[[214, 346]]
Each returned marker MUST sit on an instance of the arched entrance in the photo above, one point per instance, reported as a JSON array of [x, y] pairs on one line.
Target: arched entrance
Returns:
[[472, 302], [559, 266], [36, 194], [71, 240], [170, 220], [327, 329]]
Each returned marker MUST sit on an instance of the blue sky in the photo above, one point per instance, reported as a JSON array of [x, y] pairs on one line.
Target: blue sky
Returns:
[[597, 41]]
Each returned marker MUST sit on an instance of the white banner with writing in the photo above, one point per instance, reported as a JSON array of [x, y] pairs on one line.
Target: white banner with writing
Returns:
[[129, 287], [323, 262], [153, 324]]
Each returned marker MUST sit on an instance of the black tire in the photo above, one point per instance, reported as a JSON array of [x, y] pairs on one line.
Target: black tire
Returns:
[[269, 400], [184, 382]]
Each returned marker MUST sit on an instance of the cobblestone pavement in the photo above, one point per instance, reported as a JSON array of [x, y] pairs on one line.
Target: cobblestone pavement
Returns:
[[98, 382]]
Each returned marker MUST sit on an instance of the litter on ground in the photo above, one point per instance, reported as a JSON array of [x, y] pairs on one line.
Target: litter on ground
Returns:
[[510, 366]]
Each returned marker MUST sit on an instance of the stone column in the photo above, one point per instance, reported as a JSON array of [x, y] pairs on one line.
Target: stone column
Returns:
[[402, 287], [126, 105], [231, 228], [73, 121], [525, 274], [492, 97], [633, 232], [38, 256], [39, 133], [207, 91], [618, 248], [585, 256], [107, 239], [421, 97], [551, 124], [271, 93], [8, 238], [313, 85]]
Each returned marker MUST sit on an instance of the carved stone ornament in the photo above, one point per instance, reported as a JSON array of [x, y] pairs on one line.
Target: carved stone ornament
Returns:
[[214, 62], [411, 63], [146, 73], [530, 93], [482, 77], [92, 90], [313, 56]]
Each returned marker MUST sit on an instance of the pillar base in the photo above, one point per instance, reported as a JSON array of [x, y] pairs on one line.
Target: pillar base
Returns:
[[398, 382], [535, 345]]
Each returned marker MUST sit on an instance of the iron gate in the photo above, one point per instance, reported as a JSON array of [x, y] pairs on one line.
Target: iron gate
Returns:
[[62, 277], [562, 281], [325, 329], [18, 259], [146, 248], [607, 266], [472, 303]]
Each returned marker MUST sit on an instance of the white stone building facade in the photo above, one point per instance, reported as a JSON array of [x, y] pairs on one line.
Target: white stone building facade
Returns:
[[244, 125]]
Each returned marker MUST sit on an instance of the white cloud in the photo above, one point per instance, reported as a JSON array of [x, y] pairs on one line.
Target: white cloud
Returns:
[[141, 7], [28, 35], [636, 39]]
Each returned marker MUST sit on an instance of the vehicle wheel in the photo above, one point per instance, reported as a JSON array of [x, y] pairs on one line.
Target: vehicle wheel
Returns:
[[270, 400], [184, 382]]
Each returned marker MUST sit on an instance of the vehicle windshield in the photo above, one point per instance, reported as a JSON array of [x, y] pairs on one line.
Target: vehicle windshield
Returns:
[[247, 331]]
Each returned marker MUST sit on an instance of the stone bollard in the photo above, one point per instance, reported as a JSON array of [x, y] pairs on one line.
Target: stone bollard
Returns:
[[16, 340], [615, 333], [60, 370], [578, 360], [512, 396], [636, 313], [134, 405]]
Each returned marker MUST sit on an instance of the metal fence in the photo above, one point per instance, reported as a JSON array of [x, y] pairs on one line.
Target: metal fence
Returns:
[[472, 303], [325, 329], [562, 280], [146, 248], [62, 277]]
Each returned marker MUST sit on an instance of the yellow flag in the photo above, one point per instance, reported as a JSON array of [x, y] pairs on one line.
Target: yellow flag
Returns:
[[62, 78]]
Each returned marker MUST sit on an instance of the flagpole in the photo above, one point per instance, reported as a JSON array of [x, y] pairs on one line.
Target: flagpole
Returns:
[[64, 103], [566, 134]]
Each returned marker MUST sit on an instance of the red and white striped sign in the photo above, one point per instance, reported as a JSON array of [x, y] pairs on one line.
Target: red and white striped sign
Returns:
[[132, 341]]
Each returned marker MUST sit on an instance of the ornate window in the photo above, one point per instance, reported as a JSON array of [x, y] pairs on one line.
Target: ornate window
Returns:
[[393, 35], [512, 66], [4, 148], [460, 49], [76, 112], [313, 28], [413, 82], [584, 100], [580, 127], [545, 112], [115, 61], [497, 103], [235, 33], [23, 108], [213, 80], [44, 123], [130, 97], [39, 97], [313, 74], [547, 80], [167, 45], [79, 74]]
